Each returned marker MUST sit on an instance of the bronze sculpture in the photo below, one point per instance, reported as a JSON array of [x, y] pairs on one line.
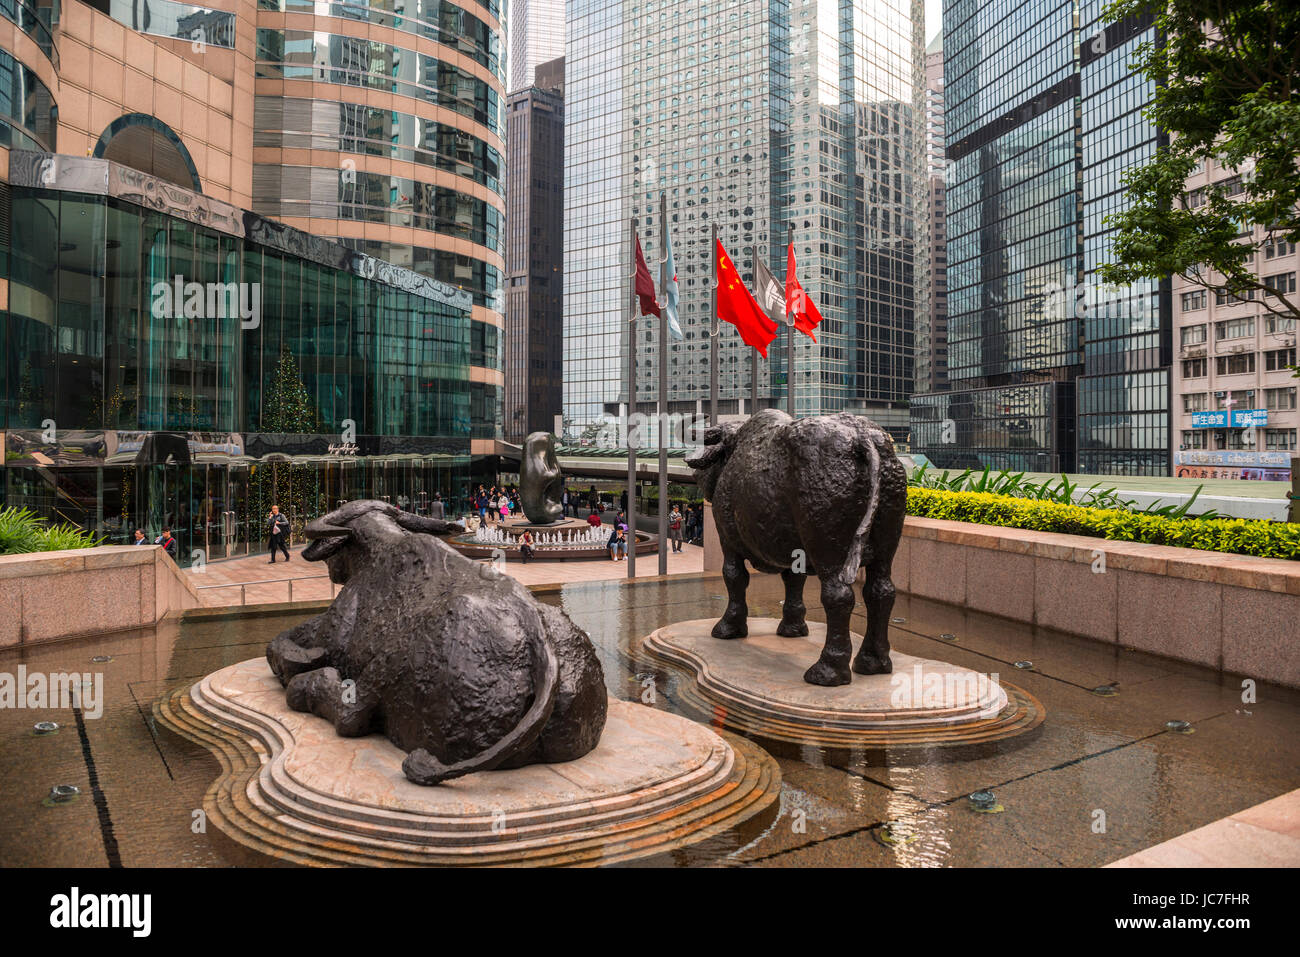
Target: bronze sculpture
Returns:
[[454, 662], [825, 495], [540, 480]]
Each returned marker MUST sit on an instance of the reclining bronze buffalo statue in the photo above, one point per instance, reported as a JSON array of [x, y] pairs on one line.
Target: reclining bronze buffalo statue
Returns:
[[454, 662], [825, 495]]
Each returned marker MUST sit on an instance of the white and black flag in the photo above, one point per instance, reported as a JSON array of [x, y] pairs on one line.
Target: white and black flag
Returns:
[[768, 291]]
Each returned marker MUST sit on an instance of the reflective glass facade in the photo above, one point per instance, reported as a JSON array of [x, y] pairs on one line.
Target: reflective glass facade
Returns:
[[753, 116], [536, 36], [1042, 116], [327, 376], [28, 115]]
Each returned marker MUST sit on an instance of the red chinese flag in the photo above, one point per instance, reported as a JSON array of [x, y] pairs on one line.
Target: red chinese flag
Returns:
[[797, 303], [737, 306], [645, 286]]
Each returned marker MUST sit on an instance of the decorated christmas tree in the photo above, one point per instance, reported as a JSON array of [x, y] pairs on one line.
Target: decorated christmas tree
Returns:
[[286, 409]]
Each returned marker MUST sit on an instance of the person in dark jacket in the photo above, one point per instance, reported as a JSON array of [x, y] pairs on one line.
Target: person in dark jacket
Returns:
[[168, 543], [279, 533]]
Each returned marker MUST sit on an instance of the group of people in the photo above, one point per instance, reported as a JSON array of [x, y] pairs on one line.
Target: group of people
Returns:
[[166, 540], [493, 504], [277, 534]]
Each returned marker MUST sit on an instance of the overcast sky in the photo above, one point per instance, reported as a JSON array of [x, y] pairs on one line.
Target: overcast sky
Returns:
[[933, 19]]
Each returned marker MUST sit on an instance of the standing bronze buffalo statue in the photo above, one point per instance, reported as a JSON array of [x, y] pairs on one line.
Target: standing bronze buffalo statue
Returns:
[[824, 495], [455, 662]]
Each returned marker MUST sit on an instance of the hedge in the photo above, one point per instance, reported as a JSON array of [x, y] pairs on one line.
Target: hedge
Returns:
[[1236, 535]]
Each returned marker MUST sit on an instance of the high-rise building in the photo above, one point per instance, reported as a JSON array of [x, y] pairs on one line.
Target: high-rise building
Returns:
[[1235, 412], [536, 37], [758, 119], [932, 288], [1049, 370], [169, 355], [534, 342]]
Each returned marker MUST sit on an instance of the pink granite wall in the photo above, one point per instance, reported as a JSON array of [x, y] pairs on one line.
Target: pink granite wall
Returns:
[[50, 595], [1230, 612]]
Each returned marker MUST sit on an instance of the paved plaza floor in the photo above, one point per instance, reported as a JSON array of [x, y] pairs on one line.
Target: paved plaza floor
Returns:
[[253, 580]]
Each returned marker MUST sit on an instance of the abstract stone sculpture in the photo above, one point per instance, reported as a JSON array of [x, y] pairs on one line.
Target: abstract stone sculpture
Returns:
[[540, 480], [821, 496], [454, 662]]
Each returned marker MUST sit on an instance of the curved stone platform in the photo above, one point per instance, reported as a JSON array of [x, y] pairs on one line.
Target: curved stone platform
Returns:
[[293, 789], [755, 686]]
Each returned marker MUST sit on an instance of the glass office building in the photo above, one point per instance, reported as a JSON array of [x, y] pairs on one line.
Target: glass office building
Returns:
[[1042, 116], [754, 118], [168, 359]]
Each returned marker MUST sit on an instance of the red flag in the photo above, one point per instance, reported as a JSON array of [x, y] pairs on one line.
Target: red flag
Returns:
[[645, 286], [737, 306], [797, 303]]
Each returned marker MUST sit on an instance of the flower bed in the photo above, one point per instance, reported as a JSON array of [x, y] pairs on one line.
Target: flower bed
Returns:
[[1237, 536]]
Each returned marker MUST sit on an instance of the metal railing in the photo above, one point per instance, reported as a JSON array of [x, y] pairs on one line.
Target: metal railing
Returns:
[[243, 586]]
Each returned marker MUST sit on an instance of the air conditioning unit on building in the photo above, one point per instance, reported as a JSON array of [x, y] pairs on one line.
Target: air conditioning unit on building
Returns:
[[1237, 349]]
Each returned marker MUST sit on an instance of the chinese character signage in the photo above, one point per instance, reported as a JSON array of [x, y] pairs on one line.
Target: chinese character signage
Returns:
[[1238, 419]]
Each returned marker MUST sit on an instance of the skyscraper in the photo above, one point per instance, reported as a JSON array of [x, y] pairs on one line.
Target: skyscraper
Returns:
[[932, 287], [536, 36], [754, 118], [1049, 370], [534, 253]]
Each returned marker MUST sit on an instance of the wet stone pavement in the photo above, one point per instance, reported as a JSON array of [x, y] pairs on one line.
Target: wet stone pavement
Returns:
[[1102, 777]]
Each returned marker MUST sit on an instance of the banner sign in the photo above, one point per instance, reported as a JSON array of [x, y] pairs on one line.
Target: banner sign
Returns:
[[1238, 419]]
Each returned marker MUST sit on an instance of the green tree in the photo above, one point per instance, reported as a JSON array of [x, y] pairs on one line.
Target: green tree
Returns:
[[1227, 90]]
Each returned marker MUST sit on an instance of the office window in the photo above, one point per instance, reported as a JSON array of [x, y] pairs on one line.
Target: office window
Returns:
[[1194, 300], [1279, 359], [1193, 335], [1277, 248], [1238, 399], [1195, 438], [1196, 402], [1234, 328], [1283, 282], [1193, 368], [1279, 440], [1280, 400], [1234, 365]]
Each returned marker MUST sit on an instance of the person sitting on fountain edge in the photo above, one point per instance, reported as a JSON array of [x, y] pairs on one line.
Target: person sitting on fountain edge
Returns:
[[618, 544]]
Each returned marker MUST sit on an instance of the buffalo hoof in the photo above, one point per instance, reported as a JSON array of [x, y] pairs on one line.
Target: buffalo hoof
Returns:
[[871, 665], [827, 675], [728, 629], [792, 629]]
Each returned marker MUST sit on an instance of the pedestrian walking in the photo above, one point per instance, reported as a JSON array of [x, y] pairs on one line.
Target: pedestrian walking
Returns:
[[278, 527], [435, 507]]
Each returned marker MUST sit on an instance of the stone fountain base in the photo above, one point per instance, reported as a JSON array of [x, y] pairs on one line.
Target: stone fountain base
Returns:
[[755, 685], [294, 790]]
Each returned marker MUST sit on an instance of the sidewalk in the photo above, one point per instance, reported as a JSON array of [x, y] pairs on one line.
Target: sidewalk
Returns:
[[254, 581]]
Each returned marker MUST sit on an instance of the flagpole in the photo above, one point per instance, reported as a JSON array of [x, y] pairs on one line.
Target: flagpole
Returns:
[[631, 408], [753, 353], [663, 385], [714, 330], [789, 331]]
